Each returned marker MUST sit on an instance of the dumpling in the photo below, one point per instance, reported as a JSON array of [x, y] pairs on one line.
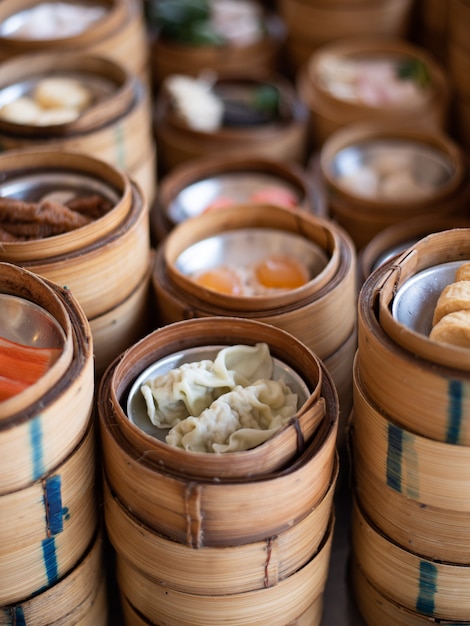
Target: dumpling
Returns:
[[454, 297], [453, 328], [238, 420], [192, 387]]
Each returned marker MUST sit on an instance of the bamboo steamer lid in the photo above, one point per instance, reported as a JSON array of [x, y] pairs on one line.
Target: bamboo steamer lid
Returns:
[[83, 259], [234, 179], [367, 150], [116, 126], [286, 138], [217, 571], [432, 588], [273, 454], [35, 554], [270, 606], [258, 57], [408, 361], [204, 511], [396, 238], [36, 437], [330, 111], [119, 34], [80, 595], [314, 23]]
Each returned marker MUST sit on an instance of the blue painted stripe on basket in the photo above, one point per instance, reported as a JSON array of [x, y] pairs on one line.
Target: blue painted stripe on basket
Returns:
[[53, 502], [394, 457], [19, 619], [427, 588], [50, 560], [455, 394], [36, 444]]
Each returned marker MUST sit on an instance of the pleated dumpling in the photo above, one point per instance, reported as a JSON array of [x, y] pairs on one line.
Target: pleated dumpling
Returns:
[[190, 388], [238, 420]]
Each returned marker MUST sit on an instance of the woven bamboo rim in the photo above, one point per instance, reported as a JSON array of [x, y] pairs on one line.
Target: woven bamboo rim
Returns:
[[39, 543], [258, 58], [432, 472], [19, 69], [87, 271], [437, 534], [420, 395], [21, 283], [376, 608], [323, 321], [273, 454], [353, 134], [18, 160], [271, 606], [206, 512], [311, 617], [120, 35], [438, 98], [433, 588], [316, 230], [436, 248], [193, 171], [121, 327], [220, 570], [394, 240], [78, 596], [38, 437]]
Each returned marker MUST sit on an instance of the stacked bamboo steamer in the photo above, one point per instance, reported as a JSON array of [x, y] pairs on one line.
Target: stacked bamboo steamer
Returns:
[[321, 313], [115, 113], [50, 547], [209, 182], [377, 175], [432, 22], [410, 528], [458, 62], [111, 28], [312, 24], [223, 535], [329, 84], [106, 263]]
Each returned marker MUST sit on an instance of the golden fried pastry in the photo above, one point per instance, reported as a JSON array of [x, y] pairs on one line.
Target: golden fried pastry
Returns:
[[463, 272], [453, 328], [454, 297]]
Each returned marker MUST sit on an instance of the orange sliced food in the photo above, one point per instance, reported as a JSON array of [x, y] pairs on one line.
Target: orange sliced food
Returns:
[[25, 364]]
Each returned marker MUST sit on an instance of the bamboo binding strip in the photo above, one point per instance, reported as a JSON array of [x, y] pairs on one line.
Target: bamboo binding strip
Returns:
[[433, 588], [38, 437]]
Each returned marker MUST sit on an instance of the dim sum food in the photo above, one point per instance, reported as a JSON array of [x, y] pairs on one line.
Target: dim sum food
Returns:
[[451, 318], [454, 297], [453, 328], [227, 404]]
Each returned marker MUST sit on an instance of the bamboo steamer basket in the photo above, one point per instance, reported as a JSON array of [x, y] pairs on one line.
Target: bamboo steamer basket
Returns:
[[204, 511], [116, 127], [275, 453], [396, 238], [314, 23], [377, 608], [36, 437], [287, 139], [234, 178], [432, 588], [269, 606], [217, 571], [364, 217], [328, 113], [432, 27], [120, 35], [408, 361], [47, 526], [79, 597], [458, 54], [258, 58]]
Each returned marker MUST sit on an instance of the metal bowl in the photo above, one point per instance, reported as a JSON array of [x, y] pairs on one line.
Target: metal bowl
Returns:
[[236, 186], [29, 324], [415, 301], [245, 246], [430, 168], [136, 406]]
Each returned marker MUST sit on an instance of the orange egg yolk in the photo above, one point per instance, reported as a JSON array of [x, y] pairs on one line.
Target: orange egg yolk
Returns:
[[281, 272], [221, 279]]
